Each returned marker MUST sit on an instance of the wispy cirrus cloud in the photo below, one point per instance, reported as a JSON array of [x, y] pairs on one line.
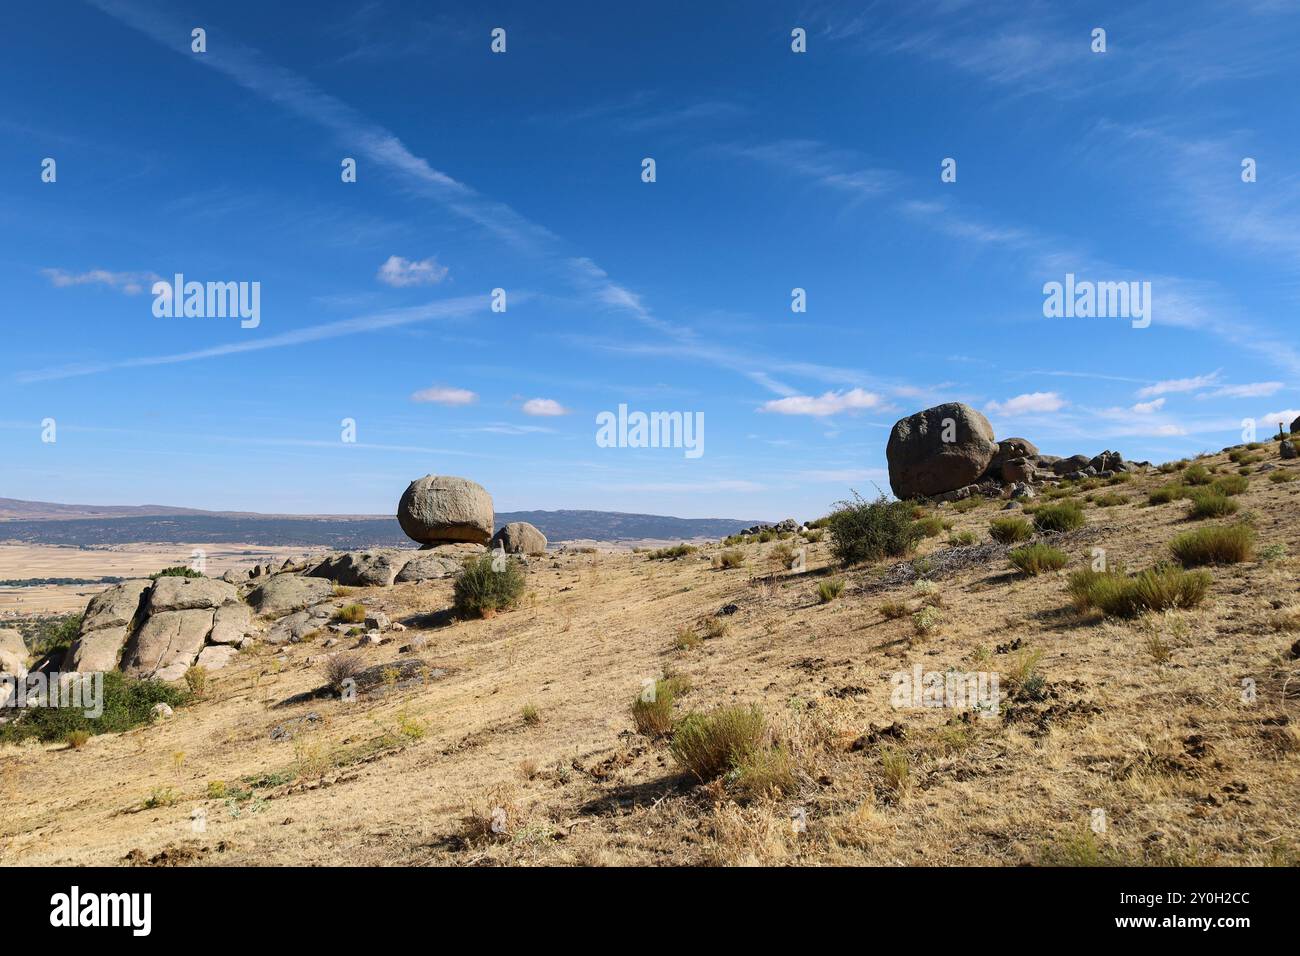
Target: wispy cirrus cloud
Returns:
[[1030, 403], [131, 283], [824, 405], [1176, 385]]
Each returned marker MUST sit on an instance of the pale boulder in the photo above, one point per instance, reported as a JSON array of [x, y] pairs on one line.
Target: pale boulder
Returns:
[[439, 508]]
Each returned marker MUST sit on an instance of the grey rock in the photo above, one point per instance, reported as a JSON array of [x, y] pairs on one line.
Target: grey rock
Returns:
[[190, 594], [1287, 449], [445, 508], [288, 592], [429, 566], [1066, 466], [519, 537], [216, 656], [922, 464], [115, 607], [231, 624], [360, 569], [167, 644]]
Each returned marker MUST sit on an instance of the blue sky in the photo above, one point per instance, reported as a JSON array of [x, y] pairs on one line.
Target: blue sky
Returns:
[[775, 170]]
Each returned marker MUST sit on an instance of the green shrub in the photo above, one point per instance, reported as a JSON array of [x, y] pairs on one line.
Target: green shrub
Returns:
[[870, 530], [1279, 477], [710, 745], [1196, 475], [962, 539], [967, 504], [1060, 516], [52, 635], [926, 620], [1211, 504], [1010, 529], [179, 571], [1038, 557], [1109, 500], [829, 589], [1167, 493], [481, 589], [1225, 544], [1161, 588], [1231, 485], [894, 609], [127, 703], [676, 551]]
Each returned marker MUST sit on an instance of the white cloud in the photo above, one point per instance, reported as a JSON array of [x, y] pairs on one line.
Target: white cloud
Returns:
[[1179, 385], [544, 406], [829, 403], [1251, 390], [1027, 404], [400, 272], [1146, 408], [132, 283], [440, 395], [1286, 416]]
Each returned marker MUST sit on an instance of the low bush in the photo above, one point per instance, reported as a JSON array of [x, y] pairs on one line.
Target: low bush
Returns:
[[1225, 544], [870, 530], [486, 585], [1196, 475], [829, 589], [676, 551], [1161, 588], [127, 703], [713, 744], [1230, 485], [1211, 504], [1036, 558], [1061, 516], [1009, 530], [1167, 493], [731, 558]]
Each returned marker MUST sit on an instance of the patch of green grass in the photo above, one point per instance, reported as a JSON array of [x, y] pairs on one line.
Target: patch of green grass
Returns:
[[1196, 475], [1225, 544], [1161, 588], [1211, 504], [713, 744], [1060, 516], [967, 504], [1010, 529], [1281, 477], [961, 539], [829, 589], [351, 614], [931, 527], [1036, 558], [652, 710], [1230, 485], [1109, 500], [1167, 493]]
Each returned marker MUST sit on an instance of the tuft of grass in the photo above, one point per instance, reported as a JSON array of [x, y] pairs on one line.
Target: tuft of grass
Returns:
[[713, 744], [829, 589], [1230, 485], [486, 585], [350, 614], [687, 639], [1281, 477], [77, 738], [926, 621], [961, 539], [731, 558], [893, 610], [1010, 529], [967, 504], [870, 530], [1211, 504], [1109, 500], [1167, 493], [196, 679], [676, 551], [1196, 475], [1036, 558], [1223, 544], [653, 712], [531, 715], [1060, 516], [765, 770], [931, 527], [896, 771], [1161, 588], [341, 667]]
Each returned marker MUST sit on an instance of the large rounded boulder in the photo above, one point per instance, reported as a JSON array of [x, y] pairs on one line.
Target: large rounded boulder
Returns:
[[439, 508], [519, 537], [939, 450]]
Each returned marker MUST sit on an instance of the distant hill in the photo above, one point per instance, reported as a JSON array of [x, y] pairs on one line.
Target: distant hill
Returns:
[[35, 522]]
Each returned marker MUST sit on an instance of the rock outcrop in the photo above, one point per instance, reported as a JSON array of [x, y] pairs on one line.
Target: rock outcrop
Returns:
[[939, 450], [519, 537], [288, 592], [441, 508]]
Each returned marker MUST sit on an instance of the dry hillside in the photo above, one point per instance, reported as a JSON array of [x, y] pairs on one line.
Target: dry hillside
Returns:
[[525, 719]]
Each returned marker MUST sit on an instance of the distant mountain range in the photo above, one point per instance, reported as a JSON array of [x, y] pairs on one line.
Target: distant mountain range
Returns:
[[38, 522]]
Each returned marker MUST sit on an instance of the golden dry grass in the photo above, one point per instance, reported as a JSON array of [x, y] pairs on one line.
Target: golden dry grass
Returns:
[[1144, 719]]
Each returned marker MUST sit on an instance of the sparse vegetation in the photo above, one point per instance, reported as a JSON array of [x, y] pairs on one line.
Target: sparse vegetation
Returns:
[[1211, 504], [485, 585], [893, 610], [829, 589], [350, 614], [127, 703], [653, 712], [1060, 516], [1196, 475], [713, 744], [931, 527], [1010, 529], [961, 539], [196, 679], [1161, 588], [676, 551], [1230, 485], [1167, 493], [531, 715], [1281, 477], [1036, 558], [926, 621], [731, 558], [1226, 544], [340, 668], [870, 530]]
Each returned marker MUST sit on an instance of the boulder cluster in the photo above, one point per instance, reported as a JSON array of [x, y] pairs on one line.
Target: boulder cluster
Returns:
[[949, 452], [161, 627]]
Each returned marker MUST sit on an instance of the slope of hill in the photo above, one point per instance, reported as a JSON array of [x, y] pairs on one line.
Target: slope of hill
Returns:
[[1163, 739]]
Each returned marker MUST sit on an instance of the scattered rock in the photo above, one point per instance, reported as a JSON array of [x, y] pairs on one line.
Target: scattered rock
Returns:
[[288, 592], [430, 566], [377, 621], [216, 656], [1065, 466], [360, 569], [230, 624], [1287, 449], [161, 711]]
